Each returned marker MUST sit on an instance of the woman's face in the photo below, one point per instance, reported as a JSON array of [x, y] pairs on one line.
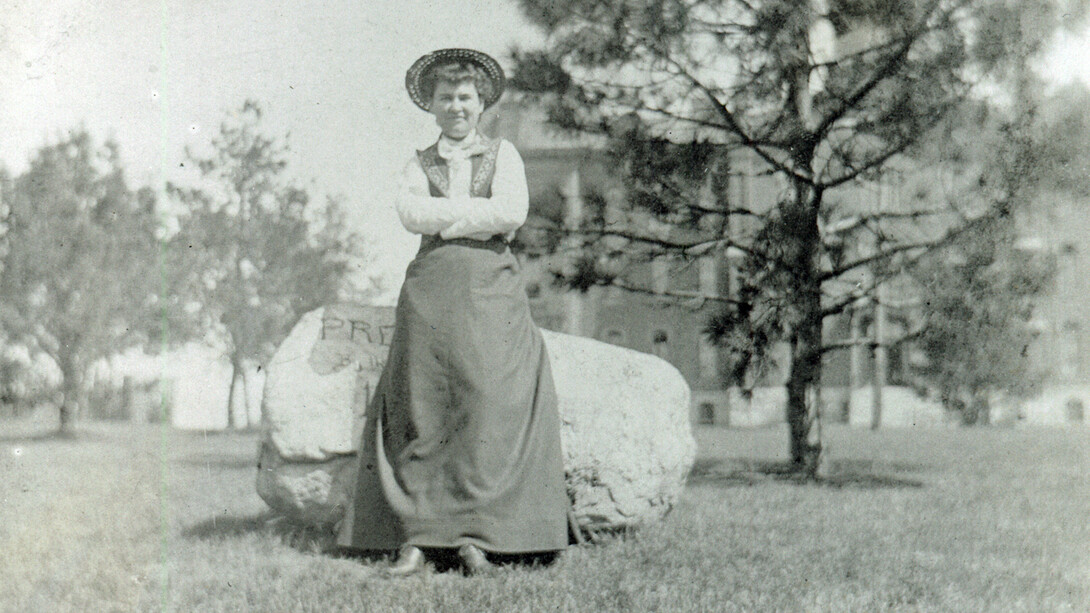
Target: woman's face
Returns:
[[457, 108]]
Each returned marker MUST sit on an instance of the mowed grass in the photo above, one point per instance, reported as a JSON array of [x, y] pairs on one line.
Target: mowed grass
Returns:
[[145, 519]]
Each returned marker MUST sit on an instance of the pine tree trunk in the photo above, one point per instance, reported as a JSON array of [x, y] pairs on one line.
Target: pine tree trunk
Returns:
[[804, 377], [803, 232], [805, 340]]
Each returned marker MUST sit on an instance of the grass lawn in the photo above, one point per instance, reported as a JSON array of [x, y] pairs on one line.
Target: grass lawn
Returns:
[[140, 518]]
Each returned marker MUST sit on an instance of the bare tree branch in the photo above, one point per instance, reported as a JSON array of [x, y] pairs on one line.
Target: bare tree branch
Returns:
[[868, 342], [698, 298], [686, 247]]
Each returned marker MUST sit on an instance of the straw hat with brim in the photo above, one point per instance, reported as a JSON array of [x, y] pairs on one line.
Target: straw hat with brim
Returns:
[[442, 57]]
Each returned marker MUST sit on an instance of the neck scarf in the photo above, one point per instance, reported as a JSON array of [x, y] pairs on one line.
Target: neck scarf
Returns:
[[450, 149]]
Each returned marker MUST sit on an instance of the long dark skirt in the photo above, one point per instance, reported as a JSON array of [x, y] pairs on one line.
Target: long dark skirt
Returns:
[[462, 441]]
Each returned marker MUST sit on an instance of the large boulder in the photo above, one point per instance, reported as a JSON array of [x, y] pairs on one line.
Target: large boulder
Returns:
[[627, 441], [317, 385]]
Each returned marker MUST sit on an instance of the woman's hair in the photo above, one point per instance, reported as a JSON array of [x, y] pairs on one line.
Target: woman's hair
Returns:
[[456, 72]]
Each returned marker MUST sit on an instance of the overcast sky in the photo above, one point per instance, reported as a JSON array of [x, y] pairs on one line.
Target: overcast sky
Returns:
[[157, 75]]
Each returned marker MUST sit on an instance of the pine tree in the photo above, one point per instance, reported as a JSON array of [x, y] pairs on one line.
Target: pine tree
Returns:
[[822, 97]]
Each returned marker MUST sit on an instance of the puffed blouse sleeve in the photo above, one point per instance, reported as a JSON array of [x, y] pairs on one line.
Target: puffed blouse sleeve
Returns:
[[463, 216], [420, 212]]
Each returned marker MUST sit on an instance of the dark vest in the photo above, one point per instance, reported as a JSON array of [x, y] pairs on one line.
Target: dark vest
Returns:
[[483, 165]]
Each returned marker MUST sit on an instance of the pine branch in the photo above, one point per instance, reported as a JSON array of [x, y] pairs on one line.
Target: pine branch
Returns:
[[924, 247], [754, 144], [886, 70], [885, 156]]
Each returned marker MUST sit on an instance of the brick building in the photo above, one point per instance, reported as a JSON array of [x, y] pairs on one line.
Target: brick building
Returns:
[[569, 177]]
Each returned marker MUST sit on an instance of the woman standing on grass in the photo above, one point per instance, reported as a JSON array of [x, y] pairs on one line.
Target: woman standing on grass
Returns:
[[462, 444]]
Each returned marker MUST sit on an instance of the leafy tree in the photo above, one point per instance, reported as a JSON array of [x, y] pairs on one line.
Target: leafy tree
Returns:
[[253, 252], [5, 211], [25, 381], [78, 279], [822, 97]]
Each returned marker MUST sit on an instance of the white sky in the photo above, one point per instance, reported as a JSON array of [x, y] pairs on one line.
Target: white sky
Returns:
[[157, 75]]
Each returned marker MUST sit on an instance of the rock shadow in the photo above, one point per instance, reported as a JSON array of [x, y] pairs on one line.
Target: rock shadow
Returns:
[[218, 460], [858, 474], [227, 527], [297, 536], [35, 435]]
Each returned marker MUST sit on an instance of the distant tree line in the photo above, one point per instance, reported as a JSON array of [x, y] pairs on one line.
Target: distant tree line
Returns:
[[91, 266]]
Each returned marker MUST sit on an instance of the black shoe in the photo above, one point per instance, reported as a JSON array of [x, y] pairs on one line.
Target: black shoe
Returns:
[[410, 560], [474, 561]]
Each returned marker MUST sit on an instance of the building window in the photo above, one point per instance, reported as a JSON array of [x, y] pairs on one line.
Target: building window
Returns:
[[533, 290], [708, 355], [613, 336], [660, 344], [660, 270], [706, 413], [709, 276]]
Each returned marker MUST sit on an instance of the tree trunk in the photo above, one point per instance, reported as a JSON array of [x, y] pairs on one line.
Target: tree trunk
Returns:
[[976, 411], [236, 375], [70, 399], [69, 412], [804, 377], [805, 373], [805, 294], [250, 381], [128, 404]]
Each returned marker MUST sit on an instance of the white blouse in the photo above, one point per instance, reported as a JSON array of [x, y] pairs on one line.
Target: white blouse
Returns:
[[460, 215]]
